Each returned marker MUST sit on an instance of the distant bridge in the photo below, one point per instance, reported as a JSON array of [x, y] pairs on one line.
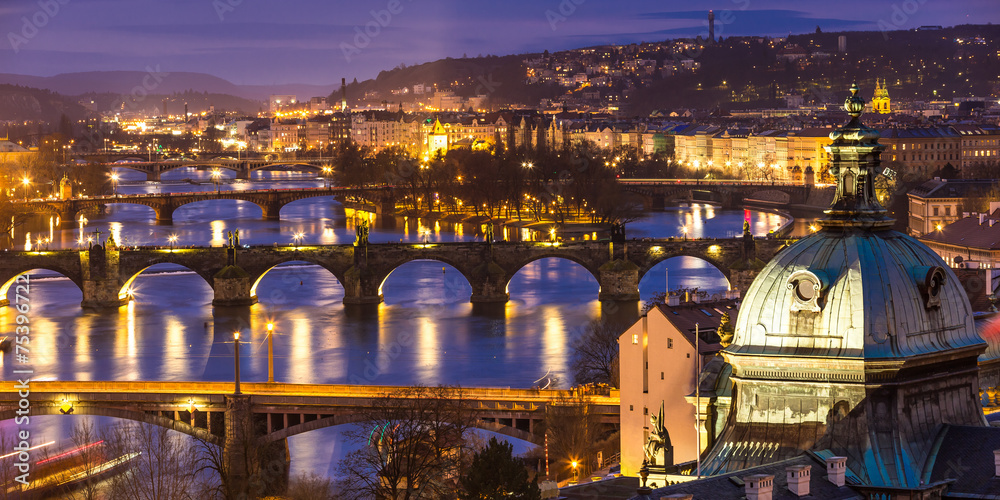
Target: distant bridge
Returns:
[[729, 193], [105, 273], [270, 201], [242, 167]]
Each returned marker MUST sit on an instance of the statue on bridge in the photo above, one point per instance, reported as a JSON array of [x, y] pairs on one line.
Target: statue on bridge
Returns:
[[233, 238], [618, 232], [489, 234], [658, 448], [361, 234], [749, 249]]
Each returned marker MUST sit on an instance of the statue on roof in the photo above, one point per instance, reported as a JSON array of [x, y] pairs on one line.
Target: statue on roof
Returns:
[[658, 447]]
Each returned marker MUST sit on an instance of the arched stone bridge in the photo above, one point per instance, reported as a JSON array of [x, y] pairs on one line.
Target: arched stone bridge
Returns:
[[270, 201], [273, 412], [105, 274], [730, 194], [242, 167]]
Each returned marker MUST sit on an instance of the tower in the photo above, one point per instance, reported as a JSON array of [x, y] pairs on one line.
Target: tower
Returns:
[[711, 27], [880, 100], [856, 341], [343, 95]]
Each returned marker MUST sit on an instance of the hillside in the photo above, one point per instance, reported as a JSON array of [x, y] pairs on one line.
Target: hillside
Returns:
[[27, 104], [122, 82]]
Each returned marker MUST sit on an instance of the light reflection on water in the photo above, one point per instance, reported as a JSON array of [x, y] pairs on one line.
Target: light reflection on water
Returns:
[[425, 333]]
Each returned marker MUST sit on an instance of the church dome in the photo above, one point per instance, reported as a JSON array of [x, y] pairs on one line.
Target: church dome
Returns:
[[856, 288], [855, 293]]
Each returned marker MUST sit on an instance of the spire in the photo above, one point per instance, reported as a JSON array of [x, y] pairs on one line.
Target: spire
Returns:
[[855, 161]]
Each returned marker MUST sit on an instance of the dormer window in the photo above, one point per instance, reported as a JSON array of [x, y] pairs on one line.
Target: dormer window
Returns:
[[807, 291]]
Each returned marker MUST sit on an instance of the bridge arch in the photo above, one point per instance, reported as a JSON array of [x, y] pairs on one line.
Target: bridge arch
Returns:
[[354, 418], [127, 292], [716, 264], [125, 414], [591, 268], [10, 279], [449, 283], [291, 259]]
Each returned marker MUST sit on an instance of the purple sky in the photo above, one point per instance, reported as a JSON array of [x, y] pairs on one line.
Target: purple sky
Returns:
[[304, 41]]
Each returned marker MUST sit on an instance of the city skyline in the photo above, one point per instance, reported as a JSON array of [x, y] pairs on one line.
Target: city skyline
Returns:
[[234, 39]]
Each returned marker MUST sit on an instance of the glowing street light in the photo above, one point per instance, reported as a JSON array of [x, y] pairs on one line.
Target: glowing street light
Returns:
[[216, 175], [270, 353], [114, 184], [26, 182], [576, 470], [236, 339], [297, 237], [172, 239]]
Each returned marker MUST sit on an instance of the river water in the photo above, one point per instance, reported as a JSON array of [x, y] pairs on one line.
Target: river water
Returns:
[[172, 333]]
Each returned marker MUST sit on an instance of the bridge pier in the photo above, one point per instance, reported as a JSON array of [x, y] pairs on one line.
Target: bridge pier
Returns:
[[101, 287], [271, 210], [164, 215], [619, 281], [239, 437], [489, 285], [361, 287], [243, 173], [154, 174], [232, 287]]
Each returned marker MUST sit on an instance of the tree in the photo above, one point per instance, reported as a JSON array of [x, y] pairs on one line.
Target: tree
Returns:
[[91, 455], [413, 443], [595, 354], [162, 463], [310, 487], [495, 474]]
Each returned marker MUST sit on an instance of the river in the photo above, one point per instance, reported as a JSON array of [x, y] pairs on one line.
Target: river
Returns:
[[172, 333]]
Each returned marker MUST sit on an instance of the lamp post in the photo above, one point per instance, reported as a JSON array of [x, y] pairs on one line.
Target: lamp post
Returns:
[[114, 184], [26, 182], [236, 337], [327, 170], [216, 174], [297, 237], [576, 471], [270, 353], [172, 239]]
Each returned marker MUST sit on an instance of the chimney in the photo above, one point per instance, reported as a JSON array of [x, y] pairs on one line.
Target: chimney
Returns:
[[798, 479], [696, 298], [836, 470], [673, 300], [759, 486], [992, 221], [982, 218], [996, 461], [343, 95]]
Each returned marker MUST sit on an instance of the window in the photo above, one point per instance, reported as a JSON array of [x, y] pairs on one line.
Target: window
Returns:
[[661, 375], [947, 210], [631, 408], [670, 343], [689, 355], [935, 211], [635, 338], [645, 410]]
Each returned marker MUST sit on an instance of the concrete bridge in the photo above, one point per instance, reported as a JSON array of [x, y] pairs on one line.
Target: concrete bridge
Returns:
[[264, 415], [270, 201], [105, 273], [729, 193]]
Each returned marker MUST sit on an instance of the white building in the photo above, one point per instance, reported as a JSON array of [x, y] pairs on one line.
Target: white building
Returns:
[[658, 363]]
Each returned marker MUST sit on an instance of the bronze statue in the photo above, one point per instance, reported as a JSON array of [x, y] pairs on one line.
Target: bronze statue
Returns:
[[658, 442]]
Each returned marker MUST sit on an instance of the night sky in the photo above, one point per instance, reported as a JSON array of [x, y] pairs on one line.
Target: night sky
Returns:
[[305, 41]]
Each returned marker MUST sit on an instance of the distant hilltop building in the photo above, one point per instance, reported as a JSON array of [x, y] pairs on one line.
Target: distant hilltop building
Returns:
[[880, 102], [711, 27]]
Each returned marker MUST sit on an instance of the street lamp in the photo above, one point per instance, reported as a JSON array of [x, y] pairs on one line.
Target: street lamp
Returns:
[[27, 182], [114, 183], [327, 170], [216, 174], [270, 353], [236, 337], [576, 471], [172, 239], [297, 237]]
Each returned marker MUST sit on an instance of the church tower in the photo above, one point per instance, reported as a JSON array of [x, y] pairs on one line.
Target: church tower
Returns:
[[856, 341], [880, 101]]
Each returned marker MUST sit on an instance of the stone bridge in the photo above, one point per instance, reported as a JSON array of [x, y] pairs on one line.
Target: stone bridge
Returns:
[[657, 193], [242, 167], [273, 412], [270, 201], [105, 273]]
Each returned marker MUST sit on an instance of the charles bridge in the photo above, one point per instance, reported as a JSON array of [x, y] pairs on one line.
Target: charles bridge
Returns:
[[730, 194], [105, 272]]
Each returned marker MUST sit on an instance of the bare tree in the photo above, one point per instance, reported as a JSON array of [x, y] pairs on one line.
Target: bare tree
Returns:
[[85, 438], [310, 487], [574, 435], [162, 464], [413, 443], [595, 354]]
